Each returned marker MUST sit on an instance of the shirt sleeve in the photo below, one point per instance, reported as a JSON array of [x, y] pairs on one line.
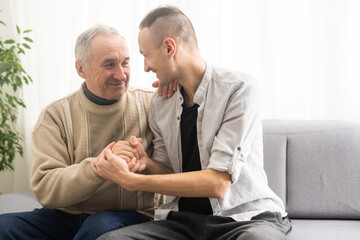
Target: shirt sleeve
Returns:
[[160, 153], [239, 131]]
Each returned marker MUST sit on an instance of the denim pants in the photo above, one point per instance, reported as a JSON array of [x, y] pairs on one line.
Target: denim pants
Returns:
[[54, 224]]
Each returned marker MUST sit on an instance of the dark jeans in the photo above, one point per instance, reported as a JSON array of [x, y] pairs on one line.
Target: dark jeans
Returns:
[[53, 224], [190, 226]]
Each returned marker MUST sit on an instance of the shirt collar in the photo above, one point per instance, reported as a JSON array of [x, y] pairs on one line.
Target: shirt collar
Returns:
[[200, 93]]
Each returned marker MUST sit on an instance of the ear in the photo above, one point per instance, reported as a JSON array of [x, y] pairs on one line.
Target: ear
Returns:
[[171, 47], [80, 67]]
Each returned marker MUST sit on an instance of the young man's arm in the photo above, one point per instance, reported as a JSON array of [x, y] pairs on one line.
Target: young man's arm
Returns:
[[205, 183]]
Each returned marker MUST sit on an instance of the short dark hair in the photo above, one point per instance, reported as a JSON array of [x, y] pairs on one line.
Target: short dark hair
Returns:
[[169, 21]]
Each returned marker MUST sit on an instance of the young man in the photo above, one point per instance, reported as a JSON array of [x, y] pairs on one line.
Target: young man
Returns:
[[71, 133], [210, 135]]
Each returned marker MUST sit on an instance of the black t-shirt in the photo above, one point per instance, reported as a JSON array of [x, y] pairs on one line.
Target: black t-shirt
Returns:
[[191, 160]]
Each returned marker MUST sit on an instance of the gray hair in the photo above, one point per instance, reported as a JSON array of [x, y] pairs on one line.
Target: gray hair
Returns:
[[83, 42]]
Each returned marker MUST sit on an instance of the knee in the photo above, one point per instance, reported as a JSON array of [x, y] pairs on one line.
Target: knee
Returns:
[[114, 235], [114, 220], [256, 234], [96, 225], [100, 219]]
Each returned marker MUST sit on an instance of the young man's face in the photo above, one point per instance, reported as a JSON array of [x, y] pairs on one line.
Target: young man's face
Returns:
[[155, 59], [109, 72]]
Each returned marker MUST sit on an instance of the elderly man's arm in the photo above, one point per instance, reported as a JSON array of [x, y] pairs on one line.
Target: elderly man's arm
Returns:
[[55, 180]]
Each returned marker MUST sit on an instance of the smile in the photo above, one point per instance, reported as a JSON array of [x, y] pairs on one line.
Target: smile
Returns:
[[117, 84]]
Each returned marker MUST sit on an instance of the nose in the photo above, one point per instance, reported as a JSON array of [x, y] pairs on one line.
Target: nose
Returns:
[[146, 66], [119, 74]]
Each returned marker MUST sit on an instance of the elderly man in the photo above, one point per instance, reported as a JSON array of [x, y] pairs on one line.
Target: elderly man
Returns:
[[71, 133], [214, 147]]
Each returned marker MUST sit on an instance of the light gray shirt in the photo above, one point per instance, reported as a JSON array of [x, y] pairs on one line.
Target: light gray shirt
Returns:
[[229, 134]]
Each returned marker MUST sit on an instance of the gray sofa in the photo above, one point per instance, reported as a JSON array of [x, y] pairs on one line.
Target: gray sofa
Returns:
[[314, 166]]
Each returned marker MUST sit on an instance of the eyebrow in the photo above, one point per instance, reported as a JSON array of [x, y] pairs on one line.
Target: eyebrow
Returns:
[[109, 60]]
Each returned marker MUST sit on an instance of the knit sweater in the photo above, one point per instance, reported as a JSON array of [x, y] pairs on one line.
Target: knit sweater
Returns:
[[69, 134]]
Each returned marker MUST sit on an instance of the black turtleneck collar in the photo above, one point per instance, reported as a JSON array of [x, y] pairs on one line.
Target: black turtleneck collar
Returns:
[[95, 99]]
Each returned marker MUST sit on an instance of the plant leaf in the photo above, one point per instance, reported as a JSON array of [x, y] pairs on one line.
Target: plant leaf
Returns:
[[27, 31], [14, 87], [18, 82], [18, 29], [28, 39], [21, 51], [9, 41], [27, 46], [2, 23], [19, 66], [26, 80], [3, 66]]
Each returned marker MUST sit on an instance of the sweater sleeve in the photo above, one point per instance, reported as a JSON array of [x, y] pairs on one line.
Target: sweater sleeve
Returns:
[[56, 180]]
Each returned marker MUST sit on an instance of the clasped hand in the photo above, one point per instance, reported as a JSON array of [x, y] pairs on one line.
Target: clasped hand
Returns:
[[132, 152], [127, 156], [120, 158]]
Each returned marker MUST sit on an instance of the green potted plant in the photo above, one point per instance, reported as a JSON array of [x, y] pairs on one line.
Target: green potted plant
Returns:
[[12, 78]]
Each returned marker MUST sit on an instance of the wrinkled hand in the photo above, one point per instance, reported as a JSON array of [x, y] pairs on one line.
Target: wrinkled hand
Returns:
[[129, 153], [141, 163], [165, 91], [110, 166], [125, 150]]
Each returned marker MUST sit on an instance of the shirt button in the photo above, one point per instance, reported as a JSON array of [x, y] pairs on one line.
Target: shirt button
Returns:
[[238, 148], [180, 98], [178, 118]]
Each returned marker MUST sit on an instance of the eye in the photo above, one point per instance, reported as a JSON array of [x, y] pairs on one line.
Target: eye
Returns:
[[125, 64], [109, 65]]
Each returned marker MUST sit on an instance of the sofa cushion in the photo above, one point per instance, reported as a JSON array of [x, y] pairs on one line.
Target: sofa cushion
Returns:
[[323, 174], [322, 167], [275, 164], [307, 229], [18, 202]]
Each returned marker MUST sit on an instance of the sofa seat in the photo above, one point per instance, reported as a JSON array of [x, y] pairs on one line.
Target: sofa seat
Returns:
[[312, 229], [18, 202]]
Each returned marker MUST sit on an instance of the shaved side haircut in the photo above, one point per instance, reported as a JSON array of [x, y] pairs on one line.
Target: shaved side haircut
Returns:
[[171, 22]]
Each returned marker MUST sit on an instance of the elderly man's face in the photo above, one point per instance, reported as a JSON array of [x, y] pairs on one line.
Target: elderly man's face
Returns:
[[109, 72]]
